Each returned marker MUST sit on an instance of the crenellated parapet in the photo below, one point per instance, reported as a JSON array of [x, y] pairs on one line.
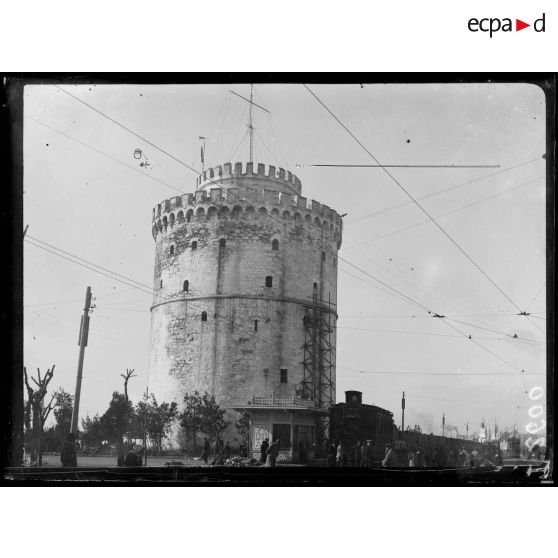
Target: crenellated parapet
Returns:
[[270, 177], [240, 202]]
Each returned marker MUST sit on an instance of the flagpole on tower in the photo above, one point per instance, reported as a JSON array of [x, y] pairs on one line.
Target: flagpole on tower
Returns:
[[203, 153], [250, 126]]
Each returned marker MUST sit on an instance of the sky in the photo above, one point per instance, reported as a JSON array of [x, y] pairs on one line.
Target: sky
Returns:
[[86, 194]]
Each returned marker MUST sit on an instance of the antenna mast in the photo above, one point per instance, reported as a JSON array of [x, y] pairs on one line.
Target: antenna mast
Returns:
[[250, 121]]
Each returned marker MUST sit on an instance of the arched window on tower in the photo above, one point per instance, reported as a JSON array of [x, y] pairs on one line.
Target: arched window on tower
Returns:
[[315, 286], [222, 243], [186, 286], [275, 244], [171, 250], [323, 256], [194, 245], [161, 284], [269, 281], [204, 316]]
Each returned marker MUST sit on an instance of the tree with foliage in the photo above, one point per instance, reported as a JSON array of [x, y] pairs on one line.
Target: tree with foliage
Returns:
[[63, 413], [114, 421], [191, 418], [243, 426], [92, 433], [155, 420], [213, 417]]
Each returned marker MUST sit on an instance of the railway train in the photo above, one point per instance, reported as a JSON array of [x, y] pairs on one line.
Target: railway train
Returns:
[[353, 420]]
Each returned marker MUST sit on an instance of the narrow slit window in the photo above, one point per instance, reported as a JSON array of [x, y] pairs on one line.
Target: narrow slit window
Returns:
[[323, 257], [194, 245], [171, 250], [284, 375], [161, 284], [204, 316], [269, 281], [222, 243], [186, 286], [255, 325], [275, 244]]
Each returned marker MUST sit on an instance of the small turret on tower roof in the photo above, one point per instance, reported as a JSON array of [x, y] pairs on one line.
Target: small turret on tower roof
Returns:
[[229, 176]]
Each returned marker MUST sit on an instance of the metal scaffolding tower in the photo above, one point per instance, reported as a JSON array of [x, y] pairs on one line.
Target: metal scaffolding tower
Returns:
[[319, 354]]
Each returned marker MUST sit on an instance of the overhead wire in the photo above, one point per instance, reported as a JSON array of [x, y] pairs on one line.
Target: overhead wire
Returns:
[[441, 192], [410, 196], [105, 154], [445, 214]]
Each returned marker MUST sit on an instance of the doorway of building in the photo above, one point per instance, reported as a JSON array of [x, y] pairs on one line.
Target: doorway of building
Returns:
[[283, 433]]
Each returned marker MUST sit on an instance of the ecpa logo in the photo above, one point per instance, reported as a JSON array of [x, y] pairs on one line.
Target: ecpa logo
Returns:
[[494, 24]]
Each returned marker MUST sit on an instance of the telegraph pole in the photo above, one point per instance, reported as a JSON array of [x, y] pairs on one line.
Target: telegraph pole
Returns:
[[467, 429], [403, 413], [443, 424], [82, 342]]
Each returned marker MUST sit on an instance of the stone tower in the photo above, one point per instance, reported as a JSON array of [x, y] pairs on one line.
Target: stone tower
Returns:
[[245, 301]]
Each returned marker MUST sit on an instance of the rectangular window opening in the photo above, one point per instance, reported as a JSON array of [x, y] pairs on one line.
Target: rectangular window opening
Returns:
[[284, 375]]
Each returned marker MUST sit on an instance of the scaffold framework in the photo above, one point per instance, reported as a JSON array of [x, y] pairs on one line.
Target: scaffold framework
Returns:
[[319, 354]]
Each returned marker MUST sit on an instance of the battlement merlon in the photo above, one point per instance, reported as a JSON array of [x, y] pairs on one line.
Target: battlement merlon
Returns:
[[229, 175], [176, 208]]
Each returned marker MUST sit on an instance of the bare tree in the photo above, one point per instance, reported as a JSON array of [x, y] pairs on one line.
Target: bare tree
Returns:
[[36, 413], [129, 374]]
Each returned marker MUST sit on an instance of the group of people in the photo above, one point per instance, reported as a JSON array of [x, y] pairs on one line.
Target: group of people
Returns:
[[269, 452], [360, 455], [220, 452]]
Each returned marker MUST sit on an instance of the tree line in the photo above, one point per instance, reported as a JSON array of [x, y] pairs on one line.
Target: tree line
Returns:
[[123, 423]]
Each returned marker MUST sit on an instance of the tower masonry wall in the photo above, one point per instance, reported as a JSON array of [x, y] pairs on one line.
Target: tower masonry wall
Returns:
[[252, 258]]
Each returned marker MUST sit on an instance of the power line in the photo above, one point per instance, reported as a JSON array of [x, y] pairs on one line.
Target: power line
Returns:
[[126, 128], [418, 373], [444, 191], [416, 202], [415, 316], [428, 334], [124, 279], [103, 153], [492, 330], [456, 210], [86, 266]]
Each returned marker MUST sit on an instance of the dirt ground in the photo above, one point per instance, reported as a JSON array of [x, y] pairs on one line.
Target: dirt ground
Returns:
[[53, 460]]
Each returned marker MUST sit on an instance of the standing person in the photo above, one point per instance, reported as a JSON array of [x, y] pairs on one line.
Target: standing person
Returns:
[[263, 450], [206, 450], [367, 454], [68, 452], [242, 452], [412, 459], [357, 454], [272, 453], [390, 459]]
